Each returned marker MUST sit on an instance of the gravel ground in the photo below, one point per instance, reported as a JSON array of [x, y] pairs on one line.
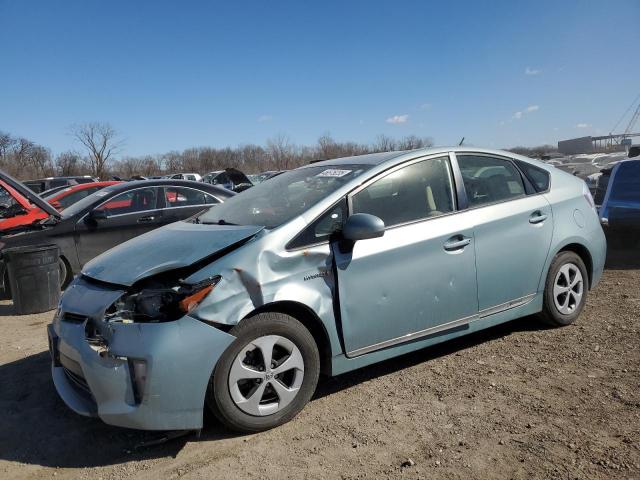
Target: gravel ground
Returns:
[[516, 401]]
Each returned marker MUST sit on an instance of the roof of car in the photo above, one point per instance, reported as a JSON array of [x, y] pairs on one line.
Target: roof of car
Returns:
[[74, 188], [384, 157], [174, 182]]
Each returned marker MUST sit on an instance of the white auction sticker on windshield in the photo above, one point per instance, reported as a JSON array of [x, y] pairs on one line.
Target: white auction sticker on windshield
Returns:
[[333, 172], [101, 193]]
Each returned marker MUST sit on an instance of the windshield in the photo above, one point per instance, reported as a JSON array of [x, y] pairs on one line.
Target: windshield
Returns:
[[80, 205], [282, 198]]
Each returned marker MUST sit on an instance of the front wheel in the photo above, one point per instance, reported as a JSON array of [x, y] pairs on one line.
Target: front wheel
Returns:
[[565, 290], [266, 376]]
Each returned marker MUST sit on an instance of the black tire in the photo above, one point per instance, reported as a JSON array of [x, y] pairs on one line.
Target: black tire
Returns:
[[550, 314], [66, 275], [5, 294], [218, 397]]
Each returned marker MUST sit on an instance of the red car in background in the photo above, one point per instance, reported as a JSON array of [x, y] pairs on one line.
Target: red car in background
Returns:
[[16, 210], [70, 195]]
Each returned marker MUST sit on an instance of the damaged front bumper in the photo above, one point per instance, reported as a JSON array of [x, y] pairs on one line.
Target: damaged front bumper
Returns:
[[98, 375]]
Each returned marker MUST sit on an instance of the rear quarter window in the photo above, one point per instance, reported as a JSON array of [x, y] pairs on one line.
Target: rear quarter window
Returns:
[[537, 176]]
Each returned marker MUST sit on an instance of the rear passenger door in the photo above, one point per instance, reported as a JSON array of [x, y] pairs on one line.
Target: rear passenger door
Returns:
[[513, 229], [183, 202]]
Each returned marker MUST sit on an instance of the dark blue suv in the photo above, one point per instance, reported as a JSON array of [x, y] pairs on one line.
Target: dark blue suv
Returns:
[[620, 209]]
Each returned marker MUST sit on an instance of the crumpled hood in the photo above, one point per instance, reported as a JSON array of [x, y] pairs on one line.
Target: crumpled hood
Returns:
[[174, 246]]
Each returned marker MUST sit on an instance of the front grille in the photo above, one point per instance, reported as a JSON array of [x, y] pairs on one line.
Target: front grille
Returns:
[[73, 318]]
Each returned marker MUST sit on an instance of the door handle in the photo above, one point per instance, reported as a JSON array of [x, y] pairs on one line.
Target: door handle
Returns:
[[537, 217], [456, 242], [148, 219]]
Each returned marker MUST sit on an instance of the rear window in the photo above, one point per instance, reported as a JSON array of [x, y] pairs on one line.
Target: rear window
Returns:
[[626, 186], [537, 176]]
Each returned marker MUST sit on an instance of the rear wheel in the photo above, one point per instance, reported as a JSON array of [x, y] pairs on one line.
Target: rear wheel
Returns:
[[266, 376], [565, 290]]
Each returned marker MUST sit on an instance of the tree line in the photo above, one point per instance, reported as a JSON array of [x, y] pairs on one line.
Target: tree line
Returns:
[[100, 145]]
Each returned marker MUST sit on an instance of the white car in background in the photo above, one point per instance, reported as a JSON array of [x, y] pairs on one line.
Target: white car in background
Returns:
[[194, 177]]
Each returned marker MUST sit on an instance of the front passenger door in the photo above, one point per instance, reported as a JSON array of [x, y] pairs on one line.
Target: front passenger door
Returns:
[[128, 215], [417, 279]]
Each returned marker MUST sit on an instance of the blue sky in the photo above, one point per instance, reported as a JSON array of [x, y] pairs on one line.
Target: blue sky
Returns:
[[172, 75]]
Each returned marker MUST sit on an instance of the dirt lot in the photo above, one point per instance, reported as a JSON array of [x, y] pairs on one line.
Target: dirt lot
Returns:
[[517, 401]]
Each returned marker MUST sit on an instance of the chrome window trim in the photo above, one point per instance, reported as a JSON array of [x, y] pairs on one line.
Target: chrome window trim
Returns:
[[500, 157], [518, 302], [206, 205], [452, 156], [377, 176], [515, 165], [400, 166], [122, 214], [164, 188]]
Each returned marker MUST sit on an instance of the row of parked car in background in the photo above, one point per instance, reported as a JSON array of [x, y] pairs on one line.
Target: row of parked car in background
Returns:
[[85, 216], [614, 182]]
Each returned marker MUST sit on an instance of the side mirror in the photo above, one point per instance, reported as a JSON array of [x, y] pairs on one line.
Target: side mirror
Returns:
[[98, 215], [361, 226]]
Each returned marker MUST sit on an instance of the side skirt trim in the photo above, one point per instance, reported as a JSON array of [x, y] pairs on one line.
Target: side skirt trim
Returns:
[[443, 327]]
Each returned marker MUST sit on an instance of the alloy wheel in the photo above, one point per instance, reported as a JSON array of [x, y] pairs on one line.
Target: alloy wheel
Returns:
[[266, 375], [568, 288]]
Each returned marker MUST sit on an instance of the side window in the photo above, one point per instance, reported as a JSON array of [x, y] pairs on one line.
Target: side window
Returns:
[[185, 197], [626, 183], [211, 200], [133, 201], [72, 198], [489, 179], [418, 191], [321, 229], [537, 176]]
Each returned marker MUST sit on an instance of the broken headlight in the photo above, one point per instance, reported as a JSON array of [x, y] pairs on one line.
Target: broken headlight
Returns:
[[160, 304]]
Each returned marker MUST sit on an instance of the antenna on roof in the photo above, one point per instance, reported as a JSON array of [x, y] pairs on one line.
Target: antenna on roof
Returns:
[[461, 142]]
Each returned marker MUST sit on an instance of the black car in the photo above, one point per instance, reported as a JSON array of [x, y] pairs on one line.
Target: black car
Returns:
[[230, 178], [44, 184], [109, 217]]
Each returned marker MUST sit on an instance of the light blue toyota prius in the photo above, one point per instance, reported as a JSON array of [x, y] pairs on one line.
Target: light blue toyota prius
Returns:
[[324, 269]]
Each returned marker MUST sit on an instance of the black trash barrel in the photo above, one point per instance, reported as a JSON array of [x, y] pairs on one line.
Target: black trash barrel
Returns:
[[34, 276]]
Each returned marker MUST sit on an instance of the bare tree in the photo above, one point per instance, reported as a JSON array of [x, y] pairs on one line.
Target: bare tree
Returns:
[[71, 163], [281, 152], [384, 143], [6, 141], [412, 142], [102, 142]]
